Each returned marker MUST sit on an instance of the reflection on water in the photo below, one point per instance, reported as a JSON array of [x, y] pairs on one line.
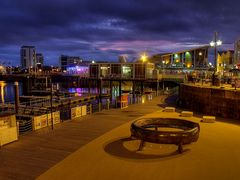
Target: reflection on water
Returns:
[[7, 91], [83, 91], [2, 85]]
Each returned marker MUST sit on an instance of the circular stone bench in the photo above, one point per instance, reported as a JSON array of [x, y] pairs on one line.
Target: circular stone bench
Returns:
[[140, 129]]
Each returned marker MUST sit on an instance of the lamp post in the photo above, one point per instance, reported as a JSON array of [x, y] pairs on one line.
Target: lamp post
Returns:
[[214, 44], [163, 63]]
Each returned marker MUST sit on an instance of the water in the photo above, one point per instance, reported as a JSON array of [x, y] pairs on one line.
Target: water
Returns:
[[93, 91], [7, 92]]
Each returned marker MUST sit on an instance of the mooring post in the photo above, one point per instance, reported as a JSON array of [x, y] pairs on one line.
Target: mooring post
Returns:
[[89, 87], [142, 88], [111, 91], [16, 91], [133, 92], [100, 90], [51, 103], [90, 108], [99, 106], [108, 104], [157, 88], [120, 88]]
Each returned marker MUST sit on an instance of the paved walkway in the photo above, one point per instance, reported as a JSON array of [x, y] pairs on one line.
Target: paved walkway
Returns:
[[38, 151], [113, 156]]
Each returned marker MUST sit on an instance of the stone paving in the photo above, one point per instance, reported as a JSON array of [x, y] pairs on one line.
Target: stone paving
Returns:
[[113, 156]]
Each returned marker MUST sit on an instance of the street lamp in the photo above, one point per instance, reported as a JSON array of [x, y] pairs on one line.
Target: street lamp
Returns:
[[214, 44]]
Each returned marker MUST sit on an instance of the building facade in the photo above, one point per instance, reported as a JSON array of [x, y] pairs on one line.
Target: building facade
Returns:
[[225, 60], [40, 59], [196, 58], [121, 70], [28, 56], [237, 52], [69, 61]]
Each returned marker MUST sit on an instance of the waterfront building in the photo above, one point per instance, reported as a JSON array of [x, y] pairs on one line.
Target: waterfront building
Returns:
[[40, 59], [75, 65], [237, 52], [80, 70], [196, 58], [121, 70], [28, 57], [225, 60], [69, 61], [2, 69]]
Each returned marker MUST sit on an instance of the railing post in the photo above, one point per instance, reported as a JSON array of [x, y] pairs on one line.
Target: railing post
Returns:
[[90, 108], [99, 106], [116, 102], [108, 104]]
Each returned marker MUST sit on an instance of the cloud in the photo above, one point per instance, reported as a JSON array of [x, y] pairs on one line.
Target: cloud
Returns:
[[104, 29]]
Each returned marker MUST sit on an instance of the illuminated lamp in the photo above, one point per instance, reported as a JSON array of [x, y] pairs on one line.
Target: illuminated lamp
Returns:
[[212, 43], [143, 57], [219, 43]]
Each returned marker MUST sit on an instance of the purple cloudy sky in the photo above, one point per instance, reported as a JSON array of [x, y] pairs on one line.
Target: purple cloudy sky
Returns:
[[104, 29]]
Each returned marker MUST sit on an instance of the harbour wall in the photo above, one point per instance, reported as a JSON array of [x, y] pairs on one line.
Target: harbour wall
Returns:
[[210, 100]]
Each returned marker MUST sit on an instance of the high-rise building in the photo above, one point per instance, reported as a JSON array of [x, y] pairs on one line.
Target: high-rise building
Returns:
[[237, 52], [28, 56], [39, 58]]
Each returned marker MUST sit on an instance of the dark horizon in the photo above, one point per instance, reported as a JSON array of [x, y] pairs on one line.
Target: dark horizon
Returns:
[[104, 30]]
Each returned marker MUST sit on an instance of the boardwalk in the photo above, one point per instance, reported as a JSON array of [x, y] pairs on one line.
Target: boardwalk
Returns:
[[36, 152]]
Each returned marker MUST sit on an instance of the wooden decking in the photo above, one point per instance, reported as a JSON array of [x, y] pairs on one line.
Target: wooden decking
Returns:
[[36, 152]]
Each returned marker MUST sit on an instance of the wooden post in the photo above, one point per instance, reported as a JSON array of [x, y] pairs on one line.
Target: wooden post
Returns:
[[134, 91], [16, 91], [89, 87], [100, 90], [90, 108], [142, 87], [111, 96], [163, 86], [99, 106], [108, 104], [51, 104], [120, 88]]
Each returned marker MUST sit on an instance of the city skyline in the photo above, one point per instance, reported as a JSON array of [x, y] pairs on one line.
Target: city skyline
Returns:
[[104, 30]]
